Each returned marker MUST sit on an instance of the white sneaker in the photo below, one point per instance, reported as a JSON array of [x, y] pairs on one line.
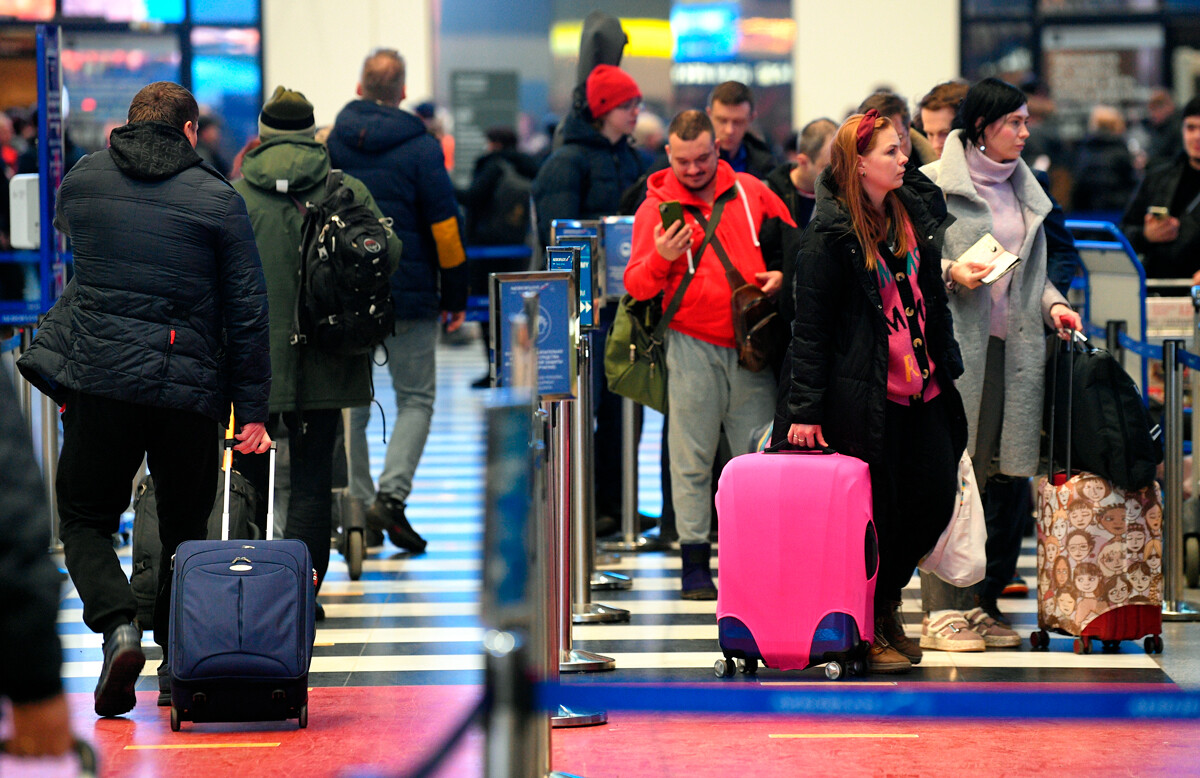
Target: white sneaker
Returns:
[[950, 632], [994, 634]]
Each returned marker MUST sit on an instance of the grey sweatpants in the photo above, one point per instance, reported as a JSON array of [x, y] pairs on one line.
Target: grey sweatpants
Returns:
[[705, 390]]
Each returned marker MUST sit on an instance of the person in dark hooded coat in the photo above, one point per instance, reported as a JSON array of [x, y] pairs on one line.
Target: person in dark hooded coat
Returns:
[[164, 324], [874, 355]]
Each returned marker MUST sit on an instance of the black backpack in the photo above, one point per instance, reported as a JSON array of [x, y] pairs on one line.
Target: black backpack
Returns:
[[345, 301], [505, 219], [1110, 431]]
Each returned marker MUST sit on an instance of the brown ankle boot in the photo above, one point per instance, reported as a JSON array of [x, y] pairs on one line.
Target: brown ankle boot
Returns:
[[882, 658], [892, 625]]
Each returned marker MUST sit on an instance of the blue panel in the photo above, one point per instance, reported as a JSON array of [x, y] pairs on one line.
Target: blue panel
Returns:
[[495, 17], [225, 11], [705, 32], [736, 640], [837, 633]]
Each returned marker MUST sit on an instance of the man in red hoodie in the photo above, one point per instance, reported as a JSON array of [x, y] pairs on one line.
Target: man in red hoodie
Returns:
[[707, 388]]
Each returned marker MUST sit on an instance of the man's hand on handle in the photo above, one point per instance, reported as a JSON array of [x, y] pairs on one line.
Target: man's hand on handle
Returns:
[[254, 439]]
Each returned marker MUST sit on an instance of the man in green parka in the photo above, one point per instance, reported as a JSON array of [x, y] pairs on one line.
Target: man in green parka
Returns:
[[309, 391]]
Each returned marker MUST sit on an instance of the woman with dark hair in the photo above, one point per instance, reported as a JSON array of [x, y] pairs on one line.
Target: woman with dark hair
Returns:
[[874, 356], [1001, 328]]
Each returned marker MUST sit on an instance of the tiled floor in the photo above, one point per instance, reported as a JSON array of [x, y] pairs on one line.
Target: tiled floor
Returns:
[[412, 622]]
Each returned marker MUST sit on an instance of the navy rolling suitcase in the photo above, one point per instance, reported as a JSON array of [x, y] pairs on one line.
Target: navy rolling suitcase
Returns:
[[242, 625]]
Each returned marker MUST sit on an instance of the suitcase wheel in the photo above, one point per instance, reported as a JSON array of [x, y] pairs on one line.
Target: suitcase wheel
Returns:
[[748, 666], [858, 667], [355, 550], [1153, 644], [1083, 645], [303, 716], [724, 668], [174, 719], [833, 670], [1040, 640]]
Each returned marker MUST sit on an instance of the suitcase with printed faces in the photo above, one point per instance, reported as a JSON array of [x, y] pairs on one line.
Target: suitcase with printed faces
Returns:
[[1099, 552], [798, 561], [242, 625]]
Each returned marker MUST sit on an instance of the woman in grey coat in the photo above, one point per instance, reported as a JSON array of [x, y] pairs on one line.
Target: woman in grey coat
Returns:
[[1001, 328]]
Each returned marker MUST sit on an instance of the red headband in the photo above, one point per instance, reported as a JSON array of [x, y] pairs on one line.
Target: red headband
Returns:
[[866, 128]]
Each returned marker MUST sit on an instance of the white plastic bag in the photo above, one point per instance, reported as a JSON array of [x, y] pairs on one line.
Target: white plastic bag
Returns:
[[960, 556]]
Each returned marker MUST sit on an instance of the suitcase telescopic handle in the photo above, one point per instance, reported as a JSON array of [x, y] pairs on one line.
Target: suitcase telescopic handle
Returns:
[[786, 447], [228, 467]]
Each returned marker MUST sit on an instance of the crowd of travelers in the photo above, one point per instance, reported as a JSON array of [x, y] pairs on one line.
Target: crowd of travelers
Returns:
[[889, 349]]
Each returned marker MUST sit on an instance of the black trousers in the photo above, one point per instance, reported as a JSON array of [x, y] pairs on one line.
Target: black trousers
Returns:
[[310, 506], [103, 444], [913, 488]]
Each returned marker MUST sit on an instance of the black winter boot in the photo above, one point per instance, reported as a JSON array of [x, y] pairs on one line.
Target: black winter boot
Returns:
[[696, 575], [387, 513]]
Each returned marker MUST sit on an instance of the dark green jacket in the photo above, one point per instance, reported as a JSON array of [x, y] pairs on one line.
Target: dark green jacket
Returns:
[[329, 380]]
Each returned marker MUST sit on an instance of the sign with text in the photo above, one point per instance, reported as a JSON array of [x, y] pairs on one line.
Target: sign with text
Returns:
[[555, 331], [617, 239], [584, 235], [479, 100]]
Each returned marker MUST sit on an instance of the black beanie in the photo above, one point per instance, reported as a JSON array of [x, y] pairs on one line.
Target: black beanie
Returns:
[[286, 111]]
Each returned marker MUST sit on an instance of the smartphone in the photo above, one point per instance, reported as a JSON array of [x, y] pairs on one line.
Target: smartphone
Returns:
[[671, 211], [1159, 212]]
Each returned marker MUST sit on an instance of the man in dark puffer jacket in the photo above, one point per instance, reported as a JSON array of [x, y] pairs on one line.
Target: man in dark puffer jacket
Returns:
[[163, 325], [402, 165]]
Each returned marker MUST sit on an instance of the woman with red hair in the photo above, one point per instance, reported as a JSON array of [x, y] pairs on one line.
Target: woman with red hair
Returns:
[[875, 357]]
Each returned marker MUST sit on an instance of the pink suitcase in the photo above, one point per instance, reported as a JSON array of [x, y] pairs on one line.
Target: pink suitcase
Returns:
[[797, 564]]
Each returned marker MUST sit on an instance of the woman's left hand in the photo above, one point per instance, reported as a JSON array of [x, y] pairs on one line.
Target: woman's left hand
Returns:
[[1065, 320]]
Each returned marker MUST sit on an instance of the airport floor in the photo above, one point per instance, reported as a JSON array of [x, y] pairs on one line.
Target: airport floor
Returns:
[[398, 663]]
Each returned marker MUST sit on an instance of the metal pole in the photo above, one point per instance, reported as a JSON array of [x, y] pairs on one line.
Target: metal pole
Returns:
[[50, 465], [583, 525], [1175, 608], [631, 538], [1113, 330], [24, 388], [570, 659]]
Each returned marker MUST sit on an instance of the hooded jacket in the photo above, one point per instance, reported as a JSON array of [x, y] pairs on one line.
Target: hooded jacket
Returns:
[[326, 380], [168, 306], [402, 165], [705, 312], [584, 178], [840, 336]]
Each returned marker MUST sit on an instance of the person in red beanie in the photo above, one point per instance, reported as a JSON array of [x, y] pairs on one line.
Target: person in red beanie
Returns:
[[584, 179]]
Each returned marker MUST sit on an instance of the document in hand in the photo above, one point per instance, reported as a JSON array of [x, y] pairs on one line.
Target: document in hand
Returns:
[[988, 250]]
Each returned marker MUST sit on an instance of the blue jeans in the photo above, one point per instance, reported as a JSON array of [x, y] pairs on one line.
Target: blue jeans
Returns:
[[412, 363]]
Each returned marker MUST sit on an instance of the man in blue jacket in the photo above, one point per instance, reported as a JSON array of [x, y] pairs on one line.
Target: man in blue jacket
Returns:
[[402, 165], [163, 325]]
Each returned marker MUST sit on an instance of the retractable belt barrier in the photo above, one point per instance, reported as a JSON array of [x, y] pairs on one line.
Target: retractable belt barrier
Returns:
[[1050, 701]]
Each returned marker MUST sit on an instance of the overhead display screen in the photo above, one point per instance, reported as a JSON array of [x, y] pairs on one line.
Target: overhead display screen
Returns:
[[165, 11]]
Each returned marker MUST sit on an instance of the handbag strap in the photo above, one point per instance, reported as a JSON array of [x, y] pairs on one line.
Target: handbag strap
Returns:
[[732, 274], [710, 228]]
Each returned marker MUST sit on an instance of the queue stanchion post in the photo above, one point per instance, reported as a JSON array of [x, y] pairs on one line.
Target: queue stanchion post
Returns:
[[24, 388], [583, 527], [1113, 330], [1175, 607], [631, 537], [570, 659]]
